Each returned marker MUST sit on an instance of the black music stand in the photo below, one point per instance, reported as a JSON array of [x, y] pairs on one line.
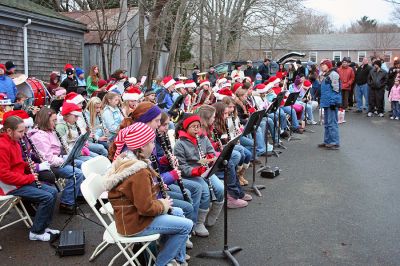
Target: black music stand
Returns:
[[267, 171], [279, 98], [251, 128], [222, 164], [305, 100], [290, 101], [273, 108], [75, 153]]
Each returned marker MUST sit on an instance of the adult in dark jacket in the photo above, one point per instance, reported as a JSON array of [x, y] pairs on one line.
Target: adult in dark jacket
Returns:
[[250, 71], [69, 83], [212, 76], [265, 69], [377, 81], [361, 81], [300, 71]]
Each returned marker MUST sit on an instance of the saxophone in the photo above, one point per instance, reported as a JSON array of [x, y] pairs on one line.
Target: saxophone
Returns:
[[30, 163]]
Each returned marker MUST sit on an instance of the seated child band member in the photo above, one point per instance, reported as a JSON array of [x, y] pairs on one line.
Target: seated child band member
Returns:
[[17, 180], [133, 187], [187, 150], [93, 116], [112, 116], [50, 148]]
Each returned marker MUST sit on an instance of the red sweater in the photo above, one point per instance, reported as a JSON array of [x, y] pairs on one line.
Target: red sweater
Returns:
[[14, 171]]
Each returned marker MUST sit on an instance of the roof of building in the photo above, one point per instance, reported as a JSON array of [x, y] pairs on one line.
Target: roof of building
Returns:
[[334, 42], [111, 21], [31, 7]]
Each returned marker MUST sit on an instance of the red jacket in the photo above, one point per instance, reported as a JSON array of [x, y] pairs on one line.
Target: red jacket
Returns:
[[346, 76], [14, 171]]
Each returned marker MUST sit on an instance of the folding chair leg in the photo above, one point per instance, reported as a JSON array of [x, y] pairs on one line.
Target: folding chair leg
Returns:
[[123, 251], [99, 249], [140, 251], [152, 257], [28, 223]]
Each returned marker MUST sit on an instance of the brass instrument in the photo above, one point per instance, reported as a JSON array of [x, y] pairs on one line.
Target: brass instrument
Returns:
[[203, 161], [30, 163], [201, 76], [160, 182], [166, 146], [193, 100]]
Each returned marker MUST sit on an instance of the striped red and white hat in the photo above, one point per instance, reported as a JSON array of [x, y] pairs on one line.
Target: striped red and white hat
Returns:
[[134, 137]]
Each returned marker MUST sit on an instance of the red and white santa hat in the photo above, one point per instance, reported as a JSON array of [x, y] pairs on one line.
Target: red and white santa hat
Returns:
[[132, 80], [74, 97], [226, 84], [168, 81], [223, 93], [237, 78], [113, 88], [274, 80], [28, 121], [204, 82], [220, 81], [190, 84], [179, 85], [71, 108], [134, 137], [307, 84], [261, 88], [236, 86], [248, 79], [133, 93]]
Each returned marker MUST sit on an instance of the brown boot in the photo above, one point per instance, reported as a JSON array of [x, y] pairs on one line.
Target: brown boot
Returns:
[[240, 175]]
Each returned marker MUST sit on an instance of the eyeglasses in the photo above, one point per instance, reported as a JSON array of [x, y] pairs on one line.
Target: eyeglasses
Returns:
[[194, 126]]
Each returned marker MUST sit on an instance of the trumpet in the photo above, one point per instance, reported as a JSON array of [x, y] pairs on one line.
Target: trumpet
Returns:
[[204, 162], [30, 163], [160, 182]]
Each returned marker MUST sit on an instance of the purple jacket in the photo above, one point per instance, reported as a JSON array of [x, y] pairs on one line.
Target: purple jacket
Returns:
[[48, 145]]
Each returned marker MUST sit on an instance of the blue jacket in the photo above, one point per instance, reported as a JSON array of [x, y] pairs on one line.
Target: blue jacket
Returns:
[[112, 118], [165, 97], [331, 93], [7, 86]]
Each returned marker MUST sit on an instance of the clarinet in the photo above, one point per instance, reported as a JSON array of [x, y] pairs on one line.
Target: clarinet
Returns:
[[30, 162], [227, 129], [166, 146], [63, 144], [217, 138], [202, 156], [159, 178], [102, 125]]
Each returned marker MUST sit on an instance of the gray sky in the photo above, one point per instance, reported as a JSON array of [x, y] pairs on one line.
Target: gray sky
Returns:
[[342, 12]]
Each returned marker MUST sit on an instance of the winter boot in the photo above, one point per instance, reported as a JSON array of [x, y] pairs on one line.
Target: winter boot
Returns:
[[240, 175], [236, 203], [214, 213], [199, 229]]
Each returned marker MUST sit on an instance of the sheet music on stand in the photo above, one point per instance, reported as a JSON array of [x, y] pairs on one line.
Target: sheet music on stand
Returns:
[[76, 150]]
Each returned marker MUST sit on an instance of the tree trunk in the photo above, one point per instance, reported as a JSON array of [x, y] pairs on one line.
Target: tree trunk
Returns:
[[123, 40], [103, 59], [201, 35], [141, 28]]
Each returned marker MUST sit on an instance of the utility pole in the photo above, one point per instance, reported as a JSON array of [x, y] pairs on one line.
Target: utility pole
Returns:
[[123, 42]]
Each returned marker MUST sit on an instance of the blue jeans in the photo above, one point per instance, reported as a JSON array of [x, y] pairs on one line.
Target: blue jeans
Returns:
[[234, 188], [362, 91], [331, 125], [396, 109], [67, 196], [98, 148], [245, 154], [174, 230], [105, 144], [293, 116], [45, 198], [247, 143], [176, 194], [205, 191]]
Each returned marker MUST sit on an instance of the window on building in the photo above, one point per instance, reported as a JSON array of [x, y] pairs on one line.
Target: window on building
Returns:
[[313, 57], [268, 54], [361, 56], [337, 56], [387, 56]]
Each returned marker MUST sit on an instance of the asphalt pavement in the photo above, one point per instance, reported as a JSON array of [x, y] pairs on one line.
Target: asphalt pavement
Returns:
[[326, 208]]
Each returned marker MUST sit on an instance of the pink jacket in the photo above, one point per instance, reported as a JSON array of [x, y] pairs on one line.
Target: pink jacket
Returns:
[[48, 145], [394, 93]]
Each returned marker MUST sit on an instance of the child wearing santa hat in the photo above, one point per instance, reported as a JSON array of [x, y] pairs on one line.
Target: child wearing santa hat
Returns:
[[133, 187]]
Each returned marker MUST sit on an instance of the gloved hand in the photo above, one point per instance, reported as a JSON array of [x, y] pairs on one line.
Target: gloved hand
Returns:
[[45, 166], [198, 171], [333, 107]]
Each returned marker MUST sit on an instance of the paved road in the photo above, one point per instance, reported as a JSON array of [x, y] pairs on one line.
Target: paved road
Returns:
[[326, 208]]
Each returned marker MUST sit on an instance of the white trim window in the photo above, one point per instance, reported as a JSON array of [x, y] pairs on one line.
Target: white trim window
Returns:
[[361, 56], [337, 56], [387, 56], [313, 57], [268, 54]]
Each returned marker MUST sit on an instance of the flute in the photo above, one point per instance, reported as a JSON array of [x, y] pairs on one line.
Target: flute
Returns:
[[166, 146], [30, 163], [159, 179]]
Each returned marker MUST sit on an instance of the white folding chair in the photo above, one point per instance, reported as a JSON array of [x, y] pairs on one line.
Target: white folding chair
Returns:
[[91, 188], [9, 202], [98, 165]]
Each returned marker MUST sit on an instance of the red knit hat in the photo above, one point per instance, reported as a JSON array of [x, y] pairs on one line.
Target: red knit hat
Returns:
[[132, 94], [307, 84], [134, 137], [168, 81], [28, 121], [261, 88], [3, 67], [68, 66], [236, 86], [193, 118], [204, 82], [70, 108], [74, 97], [190, 84], [326, 62]]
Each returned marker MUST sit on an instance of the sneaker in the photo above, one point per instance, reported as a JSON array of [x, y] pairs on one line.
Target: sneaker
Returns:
[[376, 112], [173, 263], [396, 118], [66, 209], [381, 115], [332, 147], [187, 257], [247, 197], [52, 231], [322, 145], [298, 131], [369, 114], [189, 244], [311, 122], [43, 237], [236, 203], [285, 134], [392, 117]]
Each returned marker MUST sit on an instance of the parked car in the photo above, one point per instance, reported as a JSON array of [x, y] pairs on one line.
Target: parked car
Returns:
[[227, 67]]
